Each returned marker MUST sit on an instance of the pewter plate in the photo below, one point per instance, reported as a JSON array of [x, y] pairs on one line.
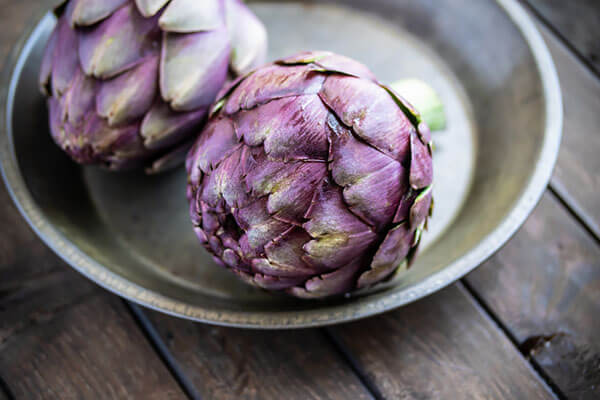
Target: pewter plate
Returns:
[[131, 234]]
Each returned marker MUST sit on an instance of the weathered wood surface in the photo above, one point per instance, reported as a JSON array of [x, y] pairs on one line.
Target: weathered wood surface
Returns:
[[544, 285], [442, 347], [577, 173], [15, 18], [63, 337], [60, 335], [411, 353], [228, 363], [578, 21]]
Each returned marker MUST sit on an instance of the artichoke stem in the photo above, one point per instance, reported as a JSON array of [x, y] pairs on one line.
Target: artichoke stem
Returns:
[[425, 99]]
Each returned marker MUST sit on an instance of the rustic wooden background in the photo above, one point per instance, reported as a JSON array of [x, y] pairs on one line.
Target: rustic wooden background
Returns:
[[525, 325]]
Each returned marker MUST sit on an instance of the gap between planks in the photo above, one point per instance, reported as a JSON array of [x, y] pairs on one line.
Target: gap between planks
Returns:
[[563, 197], [346, 355], [563, 40], [149, 330], [487, 311], [159, 346], [573, 209], [556, 188]]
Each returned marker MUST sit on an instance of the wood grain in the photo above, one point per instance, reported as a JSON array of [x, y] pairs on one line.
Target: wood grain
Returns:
[[545, 286], [576, 176], [441, 347], [228, 363], [60, 335], [15, 17], [91, 350], [578, 21], [63, 337]]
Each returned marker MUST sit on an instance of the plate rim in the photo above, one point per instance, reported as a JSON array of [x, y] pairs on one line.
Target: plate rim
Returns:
[[328, 315]]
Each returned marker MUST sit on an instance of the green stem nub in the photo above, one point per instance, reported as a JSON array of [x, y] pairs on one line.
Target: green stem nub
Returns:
[[424, 99]]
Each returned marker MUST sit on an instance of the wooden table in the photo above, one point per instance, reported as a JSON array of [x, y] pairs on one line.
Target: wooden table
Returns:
[[525, 325]]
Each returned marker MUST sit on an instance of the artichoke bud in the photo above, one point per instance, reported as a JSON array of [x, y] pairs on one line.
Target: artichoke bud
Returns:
[[129, 83], [317, 177]]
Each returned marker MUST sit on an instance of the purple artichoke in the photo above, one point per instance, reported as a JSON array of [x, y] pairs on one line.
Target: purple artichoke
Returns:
[[129, 82], [311, 177]]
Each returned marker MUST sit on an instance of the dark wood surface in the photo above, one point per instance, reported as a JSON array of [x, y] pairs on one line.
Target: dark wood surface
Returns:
[[545, 287], [576, 177], [50, 345], [442, 347], [228, 363], [524, 325], [395, 351], [577, 21], [545, 284]]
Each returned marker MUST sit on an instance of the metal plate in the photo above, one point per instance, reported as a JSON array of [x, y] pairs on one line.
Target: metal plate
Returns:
[[131, 233]]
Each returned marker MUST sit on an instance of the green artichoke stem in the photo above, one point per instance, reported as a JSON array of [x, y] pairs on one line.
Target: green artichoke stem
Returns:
[[425, 99]]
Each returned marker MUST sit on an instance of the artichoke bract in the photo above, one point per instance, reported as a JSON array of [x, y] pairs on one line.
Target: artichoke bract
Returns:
[[130, 82], [311, 177]]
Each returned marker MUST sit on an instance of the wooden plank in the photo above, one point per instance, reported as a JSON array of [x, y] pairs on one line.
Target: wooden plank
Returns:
[[60, 335], [227, 363], [91, 350], [578, 21], [545, 286], [576, 175], [441, 347], [63, 337], [15, 16]]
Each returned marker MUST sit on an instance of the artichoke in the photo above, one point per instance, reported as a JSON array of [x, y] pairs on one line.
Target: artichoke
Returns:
[[310, 177], [130, 82]]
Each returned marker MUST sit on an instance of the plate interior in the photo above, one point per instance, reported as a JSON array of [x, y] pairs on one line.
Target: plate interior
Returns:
[[137, 227]]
